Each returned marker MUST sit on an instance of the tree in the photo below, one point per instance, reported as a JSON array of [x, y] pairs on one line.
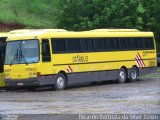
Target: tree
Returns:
[[151, 18], [92, 14]]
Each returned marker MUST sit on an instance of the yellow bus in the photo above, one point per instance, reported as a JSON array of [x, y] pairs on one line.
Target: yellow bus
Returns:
[[63, 58], [3, 37]]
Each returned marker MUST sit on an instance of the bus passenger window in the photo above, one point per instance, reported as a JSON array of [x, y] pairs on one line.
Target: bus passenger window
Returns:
[[115, 42], [87, 44], [46, 56], [100, 44], [150, 43], [73, 45], [58, 45]]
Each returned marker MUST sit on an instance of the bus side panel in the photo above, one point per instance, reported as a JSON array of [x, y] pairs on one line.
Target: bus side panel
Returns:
[[2, 83], [95, 76]]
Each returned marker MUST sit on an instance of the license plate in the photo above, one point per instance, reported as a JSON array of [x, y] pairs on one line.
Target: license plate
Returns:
[[19, 84]]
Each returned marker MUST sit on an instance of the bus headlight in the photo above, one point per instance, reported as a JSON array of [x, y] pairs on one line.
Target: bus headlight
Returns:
[[7, 77], [32, 75]]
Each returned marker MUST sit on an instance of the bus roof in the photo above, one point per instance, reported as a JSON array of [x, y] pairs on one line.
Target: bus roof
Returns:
[[35, 30], [115, 30], [31, 33], [70, 34], [3, 34]]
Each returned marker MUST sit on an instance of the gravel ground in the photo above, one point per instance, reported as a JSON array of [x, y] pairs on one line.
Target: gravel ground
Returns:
[[140, 97]]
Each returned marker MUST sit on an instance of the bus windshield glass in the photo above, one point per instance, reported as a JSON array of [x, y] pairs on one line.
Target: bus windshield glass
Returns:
[[22, 52]]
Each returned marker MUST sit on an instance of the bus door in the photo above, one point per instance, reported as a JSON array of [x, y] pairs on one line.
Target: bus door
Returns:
[[46, 57], [2, 53], [2, 56]]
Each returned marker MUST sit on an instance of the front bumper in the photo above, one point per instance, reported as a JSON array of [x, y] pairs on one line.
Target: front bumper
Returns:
[[38, 81]]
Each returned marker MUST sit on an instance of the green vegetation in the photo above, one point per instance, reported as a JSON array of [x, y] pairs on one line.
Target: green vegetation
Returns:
[[91, 14], [83, 14], [28, 13]]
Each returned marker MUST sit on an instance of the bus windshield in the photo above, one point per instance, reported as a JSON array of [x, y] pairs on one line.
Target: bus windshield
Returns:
[[22, 52]]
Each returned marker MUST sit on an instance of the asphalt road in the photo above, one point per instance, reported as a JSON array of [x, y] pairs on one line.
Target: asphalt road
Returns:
[[140, 97]]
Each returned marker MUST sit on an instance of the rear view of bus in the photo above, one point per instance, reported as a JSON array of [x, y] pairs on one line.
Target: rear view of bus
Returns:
[[3, 37]]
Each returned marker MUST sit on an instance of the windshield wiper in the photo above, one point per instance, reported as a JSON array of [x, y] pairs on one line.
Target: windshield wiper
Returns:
[[22, 56], [15, 57]]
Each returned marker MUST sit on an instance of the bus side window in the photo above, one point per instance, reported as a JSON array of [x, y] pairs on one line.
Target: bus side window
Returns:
[[46, 55]]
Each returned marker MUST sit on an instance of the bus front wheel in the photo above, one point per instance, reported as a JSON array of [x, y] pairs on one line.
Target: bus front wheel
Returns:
[[60, 82]]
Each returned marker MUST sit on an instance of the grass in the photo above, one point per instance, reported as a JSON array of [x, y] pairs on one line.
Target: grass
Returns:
[[17, 12]]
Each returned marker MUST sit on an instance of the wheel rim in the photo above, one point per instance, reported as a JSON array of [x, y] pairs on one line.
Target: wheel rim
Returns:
[[133, 74], [60, 82], [122, 76]]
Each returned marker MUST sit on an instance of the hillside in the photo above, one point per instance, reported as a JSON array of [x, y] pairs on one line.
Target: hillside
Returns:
[[26, 14]]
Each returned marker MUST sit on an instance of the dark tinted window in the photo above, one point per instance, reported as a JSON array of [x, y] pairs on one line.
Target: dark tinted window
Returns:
[[112, 43], [150, 43], [2, 47], [46, 57], [128, 43], [109, 43], [84, 46], [125, 43], [133, 44], [144, 43], [58, 45], [2, 52], [87, 44], [100, 44], [137, 43], [115, 43], [90, 44], [73, 45]]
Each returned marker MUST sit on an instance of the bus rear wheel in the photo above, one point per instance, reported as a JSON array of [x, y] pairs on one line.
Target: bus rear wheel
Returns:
[[60, 82], [133, 75], [122, 76]]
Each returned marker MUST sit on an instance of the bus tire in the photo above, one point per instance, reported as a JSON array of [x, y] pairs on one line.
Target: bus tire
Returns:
[[122, 76], [61, 82], [133, 75]]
